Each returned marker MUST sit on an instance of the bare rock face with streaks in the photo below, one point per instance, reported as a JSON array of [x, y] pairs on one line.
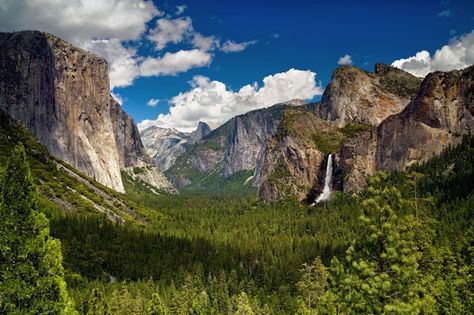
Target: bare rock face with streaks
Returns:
[[233, 148], [292, 161], [355, 95], [165, 145], [438, 116], [387, 120], [61, 94]]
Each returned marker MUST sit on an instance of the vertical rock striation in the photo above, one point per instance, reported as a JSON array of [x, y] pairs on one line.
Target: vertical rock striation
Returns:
[[354, 95], [61, 94], [438, 116]]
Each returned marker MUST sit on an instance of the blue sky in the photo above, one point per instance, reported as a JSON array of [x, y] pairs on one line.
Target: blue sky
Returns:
[[311, 35], [306, 35]]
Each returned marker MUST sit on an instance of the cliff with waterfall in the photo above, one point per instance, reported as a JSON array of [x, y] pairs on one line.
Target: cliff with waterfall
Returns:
[[365, 122]]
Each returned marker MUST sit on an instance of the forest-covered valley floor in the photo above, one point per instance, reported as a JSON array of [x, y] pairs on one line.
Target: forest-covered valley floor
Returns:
[[404, 245]]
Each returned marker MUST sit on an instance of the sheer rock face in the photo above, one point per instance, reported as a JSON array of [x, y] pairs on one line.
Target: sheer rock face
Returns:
[[127, 138], [247, 140], [165, 145], [61, 94], [235, 146], [201, 131], [440, 112], [355, 95], [438, 116], [291, 162]]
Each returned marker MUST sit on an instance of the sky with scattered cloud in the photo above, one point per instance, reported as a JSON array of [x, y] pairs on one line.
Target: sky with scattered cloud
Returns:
[[174, 63]]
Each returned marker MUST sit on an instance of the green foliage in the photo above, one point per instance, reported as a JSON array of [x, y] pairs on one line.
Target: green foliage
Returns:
[[328, 141], [382, 272], [312, 283], [331, 140], [353, 129], [222, 254], [139, 170], [31, 274]]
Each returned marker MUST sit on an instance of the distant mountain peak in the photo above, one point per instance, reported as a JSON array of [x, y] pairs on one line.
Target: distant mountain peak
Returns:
[[201, 131]]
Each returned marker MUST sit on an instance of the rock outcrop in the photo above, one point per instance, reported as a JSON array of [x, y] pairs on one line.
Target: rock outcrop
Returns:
[[438, 116], [291, 162], [201, 131], [355, 95], [127, 138], [165, 145], [368, 128], [234, 147], [61, 94]]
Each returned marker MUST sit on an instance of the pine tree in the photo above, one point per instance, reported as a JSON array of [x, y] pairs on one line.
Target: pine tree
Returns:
[[31, 272], [242, 305], [311, 285], [381, 273], [157, 306]]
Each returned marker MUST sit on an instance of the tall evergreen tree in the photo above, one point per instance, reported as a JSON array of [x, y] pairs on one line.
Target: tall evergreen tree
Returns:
[[381, 273], [31, 273]]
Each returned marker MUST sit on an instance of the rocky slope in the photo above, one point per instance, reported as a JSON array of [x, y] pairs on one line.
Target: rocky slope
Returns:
[[61, 94], [368, 138], [355, 95], [438, 116], [291, 162], [165, 145], [228, 152]]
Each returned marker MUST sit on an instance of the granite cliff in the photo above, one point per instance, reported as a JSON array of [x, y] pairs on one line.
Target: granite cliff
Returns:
[[61, 94], [165, 145], [385, 120], [228, 153], [355, 95], [438, 116]]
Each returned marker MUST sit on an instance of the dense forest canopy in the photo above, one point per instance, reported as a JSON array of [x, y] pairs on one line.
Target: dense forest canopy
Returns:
[[403, 246]]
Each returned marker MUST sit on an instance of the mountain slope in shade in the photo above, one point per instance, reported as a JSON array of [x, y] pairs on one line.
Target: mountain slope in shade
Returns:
[[61, 94]]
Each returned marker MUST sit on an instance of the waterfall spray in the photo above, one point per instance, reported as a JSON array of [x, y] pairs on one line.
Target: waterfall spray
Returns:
[[327, 183]]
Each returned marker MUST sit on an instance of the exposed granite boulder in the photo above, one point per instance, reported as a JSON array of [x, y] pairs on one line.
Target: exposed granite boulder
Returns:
[[354, 95]]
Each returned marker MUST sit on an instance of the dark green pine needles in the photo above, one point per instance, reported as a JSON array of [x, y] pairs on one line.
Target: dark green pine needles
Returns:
[[31, 273]]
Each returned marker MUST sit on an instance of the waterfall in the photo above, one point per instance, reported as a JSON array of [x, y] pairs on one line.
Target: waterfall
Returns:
[[327, 183]]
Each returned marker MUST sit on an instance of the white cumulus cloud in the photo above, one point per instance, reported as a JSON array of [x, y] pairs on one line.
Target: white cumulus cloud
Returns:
[[100, 26], [457, 54], [152, 102], [345, 60], [214, 103], [114, 29], [180, 9], [170, 31], [231, 46], [174, 63]]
